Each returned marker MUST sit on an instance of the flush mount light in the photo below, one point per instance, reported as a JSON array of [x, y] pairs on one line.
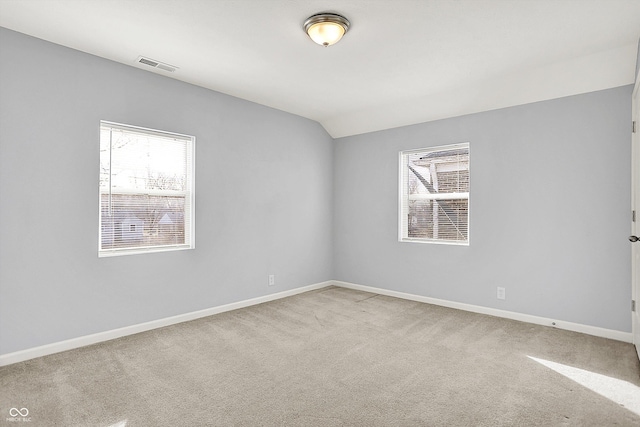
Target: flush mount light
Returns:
[[326, 28]]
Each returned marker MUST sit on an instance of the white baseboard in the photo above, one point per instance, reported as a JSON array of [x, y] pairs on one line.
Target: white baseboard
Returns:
[[57, 347], [569, 326], [31, 353]]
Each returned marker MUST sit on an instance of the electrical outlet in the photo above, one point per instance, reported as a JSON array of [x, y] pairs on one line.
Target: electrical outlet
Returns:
[[501, 293], [272, 279]]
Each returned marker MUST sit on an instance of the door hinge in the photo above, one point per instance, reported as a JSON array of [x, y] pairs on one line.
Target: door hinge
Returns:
[[633, 126], [633, 216], [633, 305]]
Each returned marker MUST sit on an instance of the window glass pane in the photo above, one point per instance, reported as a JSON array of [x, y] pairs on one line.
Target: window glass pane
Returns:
[[143, 162], [444, 220], [142, 220], [435, 194], [146, 183]]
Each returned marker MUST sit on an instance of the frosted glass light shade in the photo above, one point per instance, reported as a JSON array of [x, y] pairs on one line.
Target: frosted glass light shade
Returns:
[[326, 28], [325, 33]]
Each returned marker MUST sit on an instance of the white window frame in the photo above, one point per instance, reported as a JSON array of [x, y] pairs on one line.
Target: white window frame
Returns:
[[403, 196], [189, 195]]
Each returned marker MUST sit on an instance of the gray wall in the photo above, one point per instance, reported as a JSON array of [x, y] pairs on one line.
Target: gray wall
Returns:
[[549, 211], [638, 60], [549, 203], [263, 197]]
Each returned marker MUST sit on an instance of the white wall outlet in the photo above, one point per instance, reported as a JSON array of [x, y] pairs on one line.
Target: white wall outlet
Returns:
[[272, 279], [501, 293]]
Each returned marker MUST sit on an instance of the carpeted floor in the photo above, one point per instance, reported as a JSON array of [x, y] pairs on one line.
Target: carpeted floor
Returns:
[[333, 357]]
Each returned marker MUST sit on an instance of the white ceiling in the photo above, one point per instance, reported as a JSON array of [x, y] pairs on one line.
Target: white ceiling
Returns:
[[402, 62]]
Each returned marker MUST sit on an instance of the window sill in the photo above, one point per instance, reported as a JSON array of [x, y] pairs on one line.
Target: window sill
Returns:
[[433, 241], [137, 251]]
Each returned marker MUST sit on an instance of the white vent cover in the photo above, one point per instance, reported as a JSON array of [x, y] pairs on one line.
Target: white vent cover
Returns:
[[156, 64]]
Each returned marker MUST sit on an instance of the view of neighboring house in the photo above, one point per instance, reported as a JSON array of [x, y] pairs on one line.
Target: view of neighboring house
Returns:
[[438, 193]]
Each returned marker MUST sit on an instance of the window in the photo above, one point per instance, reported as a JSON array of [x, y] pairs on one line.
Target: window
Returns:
[[146, 190], [434, 195]]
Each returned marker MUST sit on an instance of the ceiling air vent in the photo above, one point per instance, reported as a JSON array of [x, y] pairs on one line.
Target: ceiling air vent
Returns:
[[156, 64]]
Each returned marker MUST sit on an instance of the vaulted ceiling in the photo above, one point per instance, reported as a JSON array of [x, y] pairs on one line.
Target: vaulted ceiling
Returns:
[[402, 61]]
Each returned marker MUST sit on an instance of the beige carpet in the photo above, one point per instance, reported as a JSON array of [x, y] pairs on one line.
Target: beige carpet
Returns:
[[332, 357]]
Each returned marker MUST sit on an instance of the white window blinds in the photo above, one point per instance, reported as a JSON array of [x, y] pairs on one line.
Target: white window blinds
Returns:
[[434, 194], [146, 190]]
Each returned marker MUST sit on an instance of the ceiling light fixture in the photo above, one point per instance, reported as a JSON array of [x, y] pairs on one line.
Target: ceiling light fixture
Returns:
[[326, 28]]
